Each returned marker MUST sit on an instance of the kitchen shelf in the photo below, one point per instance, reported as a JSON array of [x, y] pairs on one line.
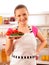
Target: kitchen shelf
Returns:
[[45, 51], [42, 62], [7, 26], [42, 25]]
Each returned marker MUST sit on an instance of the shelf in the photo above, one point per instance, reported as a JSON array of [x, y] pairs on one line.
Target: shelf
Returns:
[[42, 25], [45, 38], [42, 62], [5, 26]]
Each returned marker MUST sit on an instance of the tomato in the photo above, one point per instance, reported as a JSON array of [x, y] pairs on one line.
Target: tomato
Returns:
[[9, 32], [15, 31]]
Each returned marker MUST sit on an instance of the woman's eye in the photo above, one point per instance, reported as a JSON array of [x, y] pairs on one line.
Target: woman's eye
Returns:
[[24, 14], [18, 15]]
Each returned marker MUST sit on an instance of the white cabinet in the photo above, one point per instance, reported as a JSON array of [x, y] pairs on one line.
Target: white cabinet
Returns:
[[3, 29], [45, 30], [44, 53]]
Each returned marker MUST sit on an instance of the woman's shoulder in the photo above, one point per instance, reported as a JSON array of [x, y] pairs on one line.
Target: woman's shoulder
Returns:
[[34, 29]]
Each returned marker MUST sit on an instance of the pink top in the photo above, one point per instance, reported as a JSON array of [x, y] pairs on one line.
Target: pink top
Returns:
[[35, 30]]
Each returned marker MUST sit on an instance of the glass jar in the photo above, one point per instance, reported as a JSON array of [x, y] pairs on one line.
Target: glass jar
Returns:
[[3, 54]]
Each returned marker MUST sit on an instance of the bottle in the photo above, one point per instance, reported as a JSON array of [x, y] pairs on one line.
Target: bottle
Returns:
[[6, 20], [1, 20], [3, 54]]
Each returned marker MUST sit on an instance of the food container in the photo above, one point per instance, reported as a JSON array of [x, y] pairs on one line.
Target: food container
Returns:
[[6, 20], [1, 20]]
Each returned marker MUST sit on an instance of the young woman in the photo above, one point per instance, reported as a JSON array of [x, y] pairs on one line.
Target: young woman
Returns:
[[21, 15]]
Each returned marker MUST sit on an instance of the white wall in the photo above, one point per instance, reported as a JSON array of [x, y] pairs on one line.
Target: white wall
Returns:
[[36, 20], [34, 7]]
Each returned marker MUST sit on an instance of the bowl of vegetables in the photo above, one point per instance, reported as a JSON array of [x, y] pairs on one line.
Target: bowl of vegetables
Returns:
[[14, 33]]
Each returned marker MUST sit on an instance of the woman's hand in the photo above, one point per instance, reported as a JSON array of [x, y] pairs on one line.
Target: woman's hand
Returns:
[[9, 45], [37, 52]]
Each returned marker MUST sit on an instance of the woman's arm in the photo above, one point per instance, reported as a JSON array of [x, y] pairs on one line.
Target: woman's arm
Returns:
[[9, 45], [43, 42]]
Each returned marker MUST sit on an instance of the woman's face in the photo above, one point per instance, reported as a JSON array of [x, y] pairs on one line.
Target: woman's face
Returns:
[[21, 16]]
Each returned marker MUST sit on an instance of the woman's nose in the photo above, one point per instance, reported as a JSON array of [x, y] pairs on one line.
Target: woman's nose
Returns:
[[22, 17]]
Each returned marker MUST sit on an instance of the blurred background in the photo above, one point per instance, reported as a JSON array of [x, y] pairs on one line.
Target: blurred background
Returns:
[[38, 16]]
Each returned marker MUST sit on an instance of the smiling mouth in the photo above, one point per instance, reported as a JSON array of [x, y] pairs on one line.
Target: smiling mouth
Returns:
[[24, 20]]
